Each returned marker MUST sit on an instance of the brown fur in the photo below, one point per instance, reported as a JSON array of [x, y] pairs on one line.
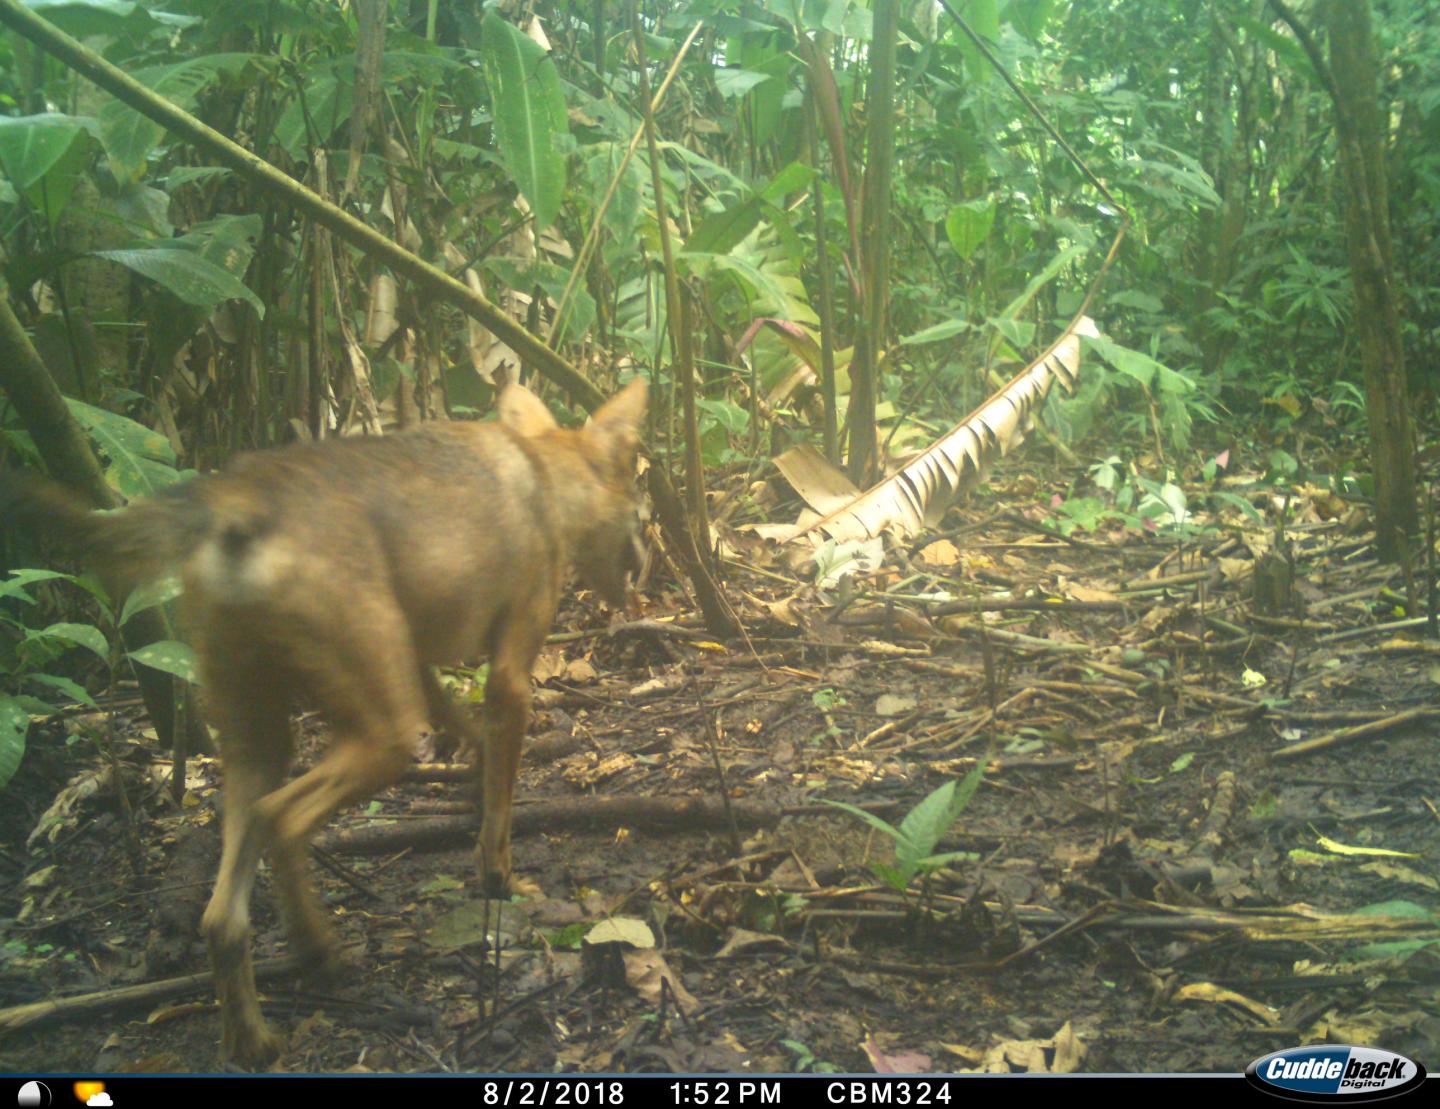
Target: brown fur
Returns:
[[337, 574]]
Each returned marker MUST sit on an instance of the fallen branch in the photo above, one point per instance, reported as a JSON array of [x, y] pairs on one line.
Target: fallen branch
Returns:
[[146, 993], [664, 814], [1348, 735]]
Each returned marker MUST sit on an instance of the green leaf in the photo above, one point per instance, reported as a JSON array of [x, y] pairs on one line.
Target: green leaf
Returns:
[[326, 103], [185, 175], [731, 81], [1029, 16], [869, 818], [132, 449], [74, 690], [14, 585], [82, 635], [1131, 363], [1043, 278], [969, 224], [968, 785], [768, 297], [935, 333], [34, 706], [168, 655], [580, 313], [129, 137], [31, 145], [983, 16], [1410, 910], [14, 723], [892, 876], [147, 596], [85, 17], [529, 114], [722, 232], [193, 279], [923, 825]]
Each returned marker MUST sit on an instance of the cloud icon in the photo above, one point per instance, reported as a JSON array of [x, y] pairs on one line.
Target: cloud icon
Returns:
[[102, 1098]]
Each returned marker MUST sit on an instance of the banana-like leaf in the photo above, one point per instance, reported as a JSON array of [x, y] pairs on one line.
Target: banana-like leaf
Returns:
[[919, 494], [529, 113]]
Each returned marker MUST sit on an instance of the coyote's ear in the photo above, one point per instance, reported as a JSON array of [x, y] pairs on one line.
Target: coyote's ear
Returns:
[[523, 411], [618, 420]]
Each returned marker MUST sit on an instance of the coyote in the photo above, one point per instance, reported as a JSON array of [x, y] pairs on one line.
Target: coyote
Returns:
[[336, 574]]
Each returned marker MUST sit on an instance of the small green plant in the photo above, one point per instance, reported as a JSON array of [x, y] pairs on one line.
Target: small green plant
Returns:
[[37, 649], [923, 827], [826, 699], [805, 1061]]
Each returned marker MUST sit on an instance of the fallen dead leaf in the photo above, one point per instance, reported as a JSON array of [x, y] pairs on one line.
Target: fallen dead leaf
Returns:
[[649, 975], [942, 552]]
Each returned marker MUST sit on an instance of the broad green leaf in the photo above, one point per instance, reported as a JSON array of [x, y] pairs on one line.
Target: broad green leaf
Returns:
[[969, 224], [82, 17], [147, 596], [529, 114], [1017, 332], [983, 16], [601, 163], [14, 723], [834, 18], [722, 232], [129, 137], [34, 706], [731, 81], [761, 286], [791, 179], [168, 655], [14, 585], [74, 690], [935, 333], [923, 826], [326, 104], [193, 279], [31, 145], [185, 175], [1282, 44], [1029, 16], [81, 635], [132, 449], [1131, 363]]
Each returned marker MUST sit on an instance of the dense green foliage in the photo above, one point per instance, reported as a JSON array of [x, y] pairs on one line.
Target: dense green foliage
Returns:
[[162, 287]]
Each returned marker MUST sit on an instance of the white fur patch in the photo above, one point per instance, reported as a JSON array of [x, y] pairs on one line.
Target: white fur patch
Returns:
[[244, 578]]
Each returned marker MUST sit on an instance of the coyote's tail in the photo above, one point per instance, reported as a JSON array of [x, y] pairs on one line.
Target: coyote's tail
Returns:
[[127, 546]]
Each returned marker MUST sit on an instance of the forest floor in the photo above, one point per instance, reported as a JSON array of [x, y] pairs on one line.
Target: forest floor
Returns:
[[1203, 833]]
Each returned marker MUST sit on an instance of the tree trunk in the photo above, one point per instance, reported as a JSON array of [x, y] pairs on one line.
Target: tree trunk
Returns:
[[875, 208], [1362, 132]]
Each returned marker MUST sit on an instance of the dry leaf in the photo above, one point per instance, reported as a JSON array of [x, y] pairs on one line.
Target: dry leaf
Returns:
[[649, 974]]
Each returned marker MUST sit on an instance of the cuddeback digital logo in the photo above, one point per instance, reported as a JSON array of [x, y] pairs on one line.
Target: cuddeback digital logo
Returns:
[[1335, 1071]]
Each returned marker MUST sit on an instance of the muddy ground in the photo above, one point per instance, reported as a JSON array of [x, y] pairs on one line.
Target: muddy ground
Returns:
[[1155, 875]]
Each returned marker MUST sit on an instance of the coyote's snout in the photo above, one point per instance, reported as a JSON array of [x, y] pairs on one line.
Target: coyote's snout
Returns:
[[337, 574]]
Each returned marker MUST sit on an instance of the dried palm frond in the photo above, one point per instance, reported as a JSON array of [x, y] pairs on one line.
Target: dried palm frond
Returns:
[[918, 495]]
